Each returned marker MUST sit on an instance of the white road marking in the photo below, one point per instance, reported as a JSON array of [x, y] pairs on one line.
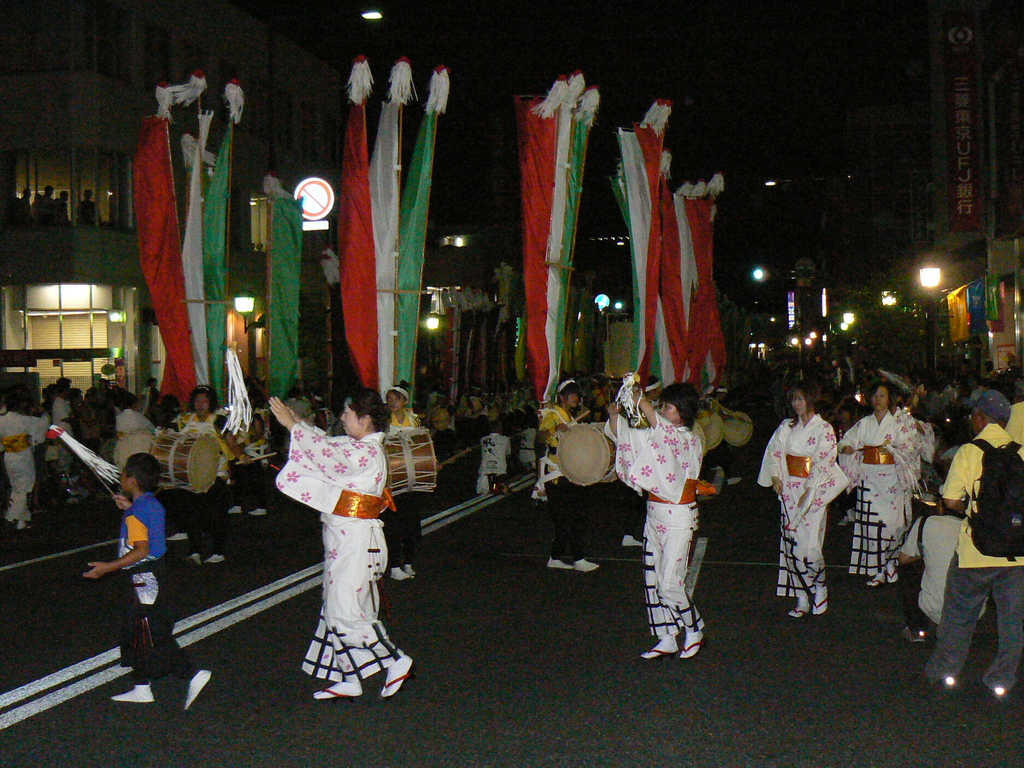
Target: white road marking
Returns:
[[56, 555], [238, 609]]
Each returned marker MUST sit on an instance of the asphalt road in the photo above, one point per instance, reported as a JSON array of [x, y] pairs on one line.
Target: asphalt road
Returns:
[[517, 665]]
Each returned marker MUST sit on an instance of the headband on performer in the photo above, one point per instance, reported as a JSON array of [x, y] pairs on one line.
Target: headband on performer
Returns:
[[404, 393], [564, 384]]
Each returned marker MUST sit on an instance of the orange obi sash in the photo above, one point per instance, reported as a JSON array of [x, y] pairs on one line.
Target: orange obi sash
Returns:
[[16, 443], [691, 488], [875, 454], [363, 505], [798, 466]]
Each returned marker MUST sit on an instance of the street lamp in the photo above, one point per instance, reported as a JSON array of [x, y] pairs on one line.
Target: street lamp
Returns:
[[931, 277]]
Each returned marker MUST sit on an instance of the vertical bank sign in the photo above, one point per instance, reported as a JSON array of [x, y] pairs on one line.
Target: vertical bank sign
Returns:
[[963, 111]]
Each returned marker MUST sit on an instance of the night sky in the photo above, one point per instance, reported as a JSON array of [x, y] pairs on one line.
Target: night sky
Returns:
[[761, 90]]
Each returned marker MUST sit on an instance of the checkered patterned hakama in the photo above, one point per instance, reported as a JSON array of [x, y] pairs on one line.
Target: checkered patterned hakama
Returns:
[[349, 639], [801, 563], [330, 657], [667, 536], [875, 544]]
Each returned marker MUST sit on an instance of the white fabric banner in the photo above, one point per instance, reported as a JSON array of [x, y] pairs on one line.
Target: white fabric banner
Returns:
[[385, 171], [638, 196], [192, 256]]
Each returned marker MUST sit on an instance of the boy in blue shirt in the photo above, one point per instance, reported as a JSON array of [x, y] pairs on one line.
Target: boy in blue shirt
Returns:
[[147, 636]]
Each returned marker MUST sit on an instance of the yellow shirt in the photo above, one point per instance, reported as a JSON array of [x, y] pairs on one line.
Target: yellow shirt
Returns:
[[550, 419], [962, 481], [410, 420]]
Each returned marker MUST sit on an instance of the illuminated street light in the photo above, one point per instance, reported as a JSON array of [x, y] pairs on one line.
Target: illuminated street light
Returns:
[[372, 15], [759, 274], [432, 323], [602, 301], [794, 341], [888, 300], [244, 304], [844, 326], [848, 318], [931, 277], [618, 305]]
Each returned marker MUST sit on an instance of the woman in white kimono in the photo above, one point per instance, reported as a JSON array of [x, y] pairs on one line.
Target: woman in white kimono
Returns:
[[664, 461], [344, 478], [881, 455], [800, 465], [19, 434]]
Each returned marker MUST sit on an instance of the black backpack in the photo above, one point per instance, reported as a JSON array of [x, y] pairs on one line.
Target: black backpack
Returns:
[[997, 522]]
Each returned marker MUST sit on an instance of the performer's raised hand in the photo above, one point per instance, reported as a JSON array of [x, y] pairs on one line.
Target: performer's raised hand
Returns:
[[285, 416]]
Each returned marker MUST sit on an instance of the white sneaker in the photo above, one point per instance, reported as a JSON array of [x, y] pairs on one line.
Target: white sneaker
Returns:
[[257, 512], [214, 559], [408, 571], [235, 510], [399, 575], [629, 541], [553, 563], [140, 694], [195, 559], [178, 537], [585, 565], [196, 685]]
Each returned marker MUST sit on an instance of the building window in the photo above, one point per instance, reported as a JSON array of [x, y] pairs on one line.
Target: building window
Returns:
[[107, 39], [98, 193], [259, 221], [76, 329]]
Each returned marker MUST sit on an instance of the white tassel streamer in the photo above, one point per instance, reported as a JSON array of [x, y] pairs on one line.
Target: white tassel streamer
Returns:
[[164, 100], [437, 98], [104, 470], [235, 97], [555, 98], [272, 187], [657, 116], [189, 143], [360, 82], [329, 264], [190, 91], [717, 185], [239, 408], [586, 111], [666, 164], [402, 89], [576, 87]]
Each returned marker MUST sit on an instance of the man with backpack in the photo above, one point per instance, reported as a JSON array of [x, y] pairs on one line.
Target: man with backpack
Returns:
[[985, 480]]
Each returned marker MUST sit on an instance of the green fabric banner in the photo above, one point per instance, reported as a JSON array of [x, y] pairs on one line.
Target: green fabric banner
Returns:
[[411, 243], [992, 297], [215, 265], [285, 267]]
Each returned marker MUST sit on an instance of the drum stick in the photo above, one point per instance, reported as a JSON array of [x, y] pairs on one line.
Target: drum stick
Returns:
[[457, 456]]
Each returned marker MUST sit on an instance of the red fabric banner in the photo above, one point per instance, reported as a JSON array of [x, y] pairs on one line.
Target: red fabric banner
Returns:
[[672, 304], [537, 141], [156, 214], [356, 254], [706, 333], [651, 144]]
